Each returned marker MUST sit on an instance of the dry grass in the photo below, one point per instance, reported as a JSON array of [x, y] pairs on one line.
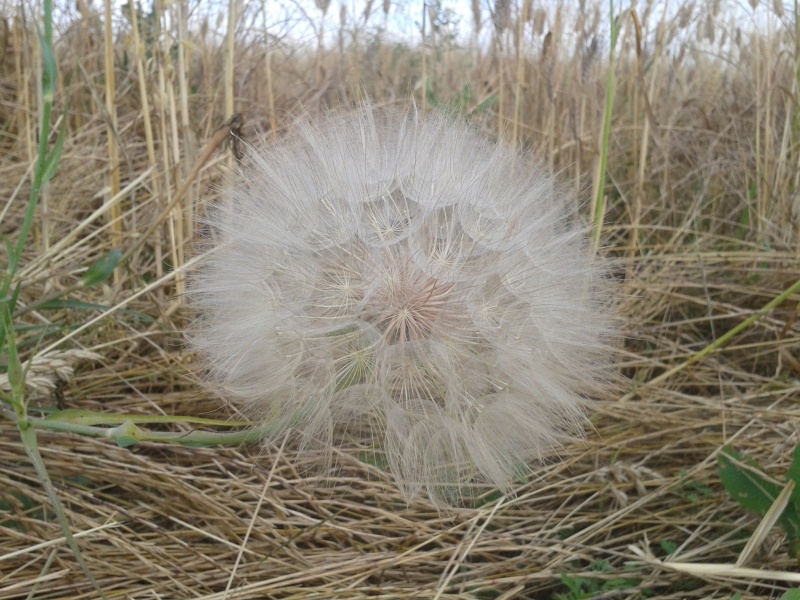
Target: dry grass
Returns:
[[703, 210]]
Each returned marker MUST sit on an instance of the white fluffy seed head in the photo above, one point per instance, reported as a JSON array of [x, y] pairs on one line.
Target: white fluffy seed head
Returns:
[[384, 265]]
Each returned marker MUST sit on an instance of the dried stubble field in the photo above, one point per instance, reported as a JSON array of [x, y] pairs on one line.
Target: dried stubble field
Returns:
[[701, 207]]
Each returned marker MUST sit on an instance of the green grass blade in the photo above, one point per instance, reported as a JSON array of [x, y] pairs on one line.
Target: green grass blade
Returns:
[[102, 269], [28, 436], [600, 203], [51, 163], [48, 82]]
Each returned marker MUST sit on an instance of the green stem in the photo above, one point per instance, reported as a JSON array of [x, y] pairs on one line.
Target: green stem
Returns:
[[28, 437], [39, 179], [128, 433], [723, 339], [600, 203], [77, 416]]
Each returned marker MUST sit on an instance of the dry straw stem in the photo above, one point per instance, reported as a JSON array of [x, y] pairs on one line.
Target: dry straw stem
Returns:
[[112, 127], [155, 520]]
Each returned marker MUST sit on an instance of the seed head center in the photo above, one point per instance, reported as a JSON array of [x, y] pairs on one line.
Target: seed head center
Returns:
[[409, 311]]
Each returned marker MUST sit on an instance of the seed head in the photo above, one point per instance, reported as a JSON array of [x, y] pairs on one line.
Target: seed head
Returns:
[[384, 265]]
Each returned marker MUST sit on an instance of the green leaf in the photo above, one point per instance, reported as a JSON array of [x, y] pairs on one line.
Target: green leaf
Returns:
[[793, 474], [102, 269], [16, 374], [379, 461], [127, 434], [11, 253], [744, 223], [6, 322], [462, 100], [747, 483], [668, 546], [792, 511], [52, 160], [791, 594], [485, 105], [60, 304], [14, 298], [429, 95], [84, 417], [49, 68]]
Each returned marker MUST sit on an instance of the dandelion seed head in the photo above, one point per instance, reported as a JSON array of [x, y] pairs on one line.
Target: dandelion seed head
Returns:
[[384, 265]]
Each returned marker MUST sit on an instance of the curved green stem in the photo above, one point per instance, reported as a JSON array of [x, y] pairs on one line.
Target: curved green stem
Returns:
[[87, 417], [128, 433]]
